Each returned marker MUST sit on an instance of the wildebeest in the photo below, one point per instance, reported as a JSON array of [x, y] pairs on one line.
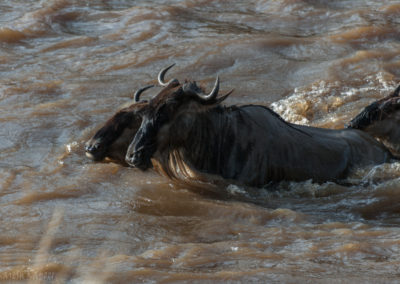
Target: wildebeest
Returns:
[[112, 140], [187, 133], [381, 119]]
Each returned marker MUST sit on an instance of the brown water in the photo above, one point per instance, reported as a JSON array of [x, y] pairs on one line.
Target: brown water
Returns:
[[67, 65]]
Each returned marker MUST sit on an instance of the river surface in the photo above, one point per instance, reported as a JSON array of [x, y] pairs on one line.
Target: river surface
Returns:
[[68, 65]]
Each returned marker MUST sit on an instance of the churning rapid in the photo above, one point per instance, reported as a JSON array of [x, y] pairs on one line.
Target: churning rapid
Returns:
[[67, 66]]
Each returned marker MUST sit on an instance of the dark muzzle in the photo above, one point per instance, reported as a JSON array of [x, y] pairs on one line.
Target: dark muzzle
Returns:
[[94, 151]]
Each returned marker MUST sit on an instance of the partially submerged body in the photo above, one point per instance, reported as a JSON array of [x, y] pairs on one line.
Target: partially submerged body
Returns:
[[252, 145], [193, 138], [188, 133]]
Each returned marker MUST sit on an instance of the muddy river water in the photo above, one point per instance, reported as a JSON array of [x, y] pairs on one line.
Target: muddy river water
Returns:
[[68, 65]]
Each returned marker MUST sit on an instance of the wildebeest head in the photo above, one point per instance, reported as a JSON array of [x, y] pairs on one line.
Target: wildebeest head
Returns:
[[112, 140], [173, 101]]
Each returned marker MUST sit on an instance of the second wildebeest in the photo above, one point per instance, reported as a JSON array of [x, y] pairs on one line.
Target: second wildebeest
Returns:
[[189, 133], [111, 141], [381, 119]]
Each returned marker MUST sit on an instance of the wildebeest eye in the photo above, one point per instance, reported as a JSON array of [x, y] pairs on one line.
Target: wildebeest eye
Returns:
[[162, 114]]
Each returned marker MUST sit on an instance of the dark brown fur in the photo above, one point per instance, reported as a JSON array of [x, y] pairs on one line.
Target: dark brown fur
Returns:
[[112, 140]]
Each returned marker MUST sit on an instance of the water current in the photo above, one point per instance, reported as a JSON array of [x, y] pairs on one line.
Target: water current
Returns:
[[68, 65]]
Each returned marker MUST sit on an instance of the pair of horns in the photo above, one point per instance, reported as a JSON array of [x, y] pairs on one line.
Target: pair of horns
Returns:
[[161, 81], [206, 98]]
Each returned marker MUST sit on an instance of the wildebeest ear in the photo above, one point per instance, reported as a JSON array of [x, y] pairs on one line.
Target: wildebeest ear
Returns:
[[224, 97]]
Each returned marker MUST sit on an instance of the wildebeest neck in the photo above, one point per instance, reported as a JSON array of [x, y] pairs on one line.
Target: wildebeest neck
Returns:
[[253, 145], [214, 141]]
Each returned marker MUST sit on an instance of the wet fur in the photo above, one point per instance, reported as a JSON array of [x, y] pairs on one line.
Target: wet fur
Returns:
[[250, 144]]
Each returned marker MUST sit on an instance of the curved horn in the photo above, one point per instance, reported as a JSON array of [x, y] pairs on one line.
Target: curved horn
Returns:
[[137, 94], [212, 95], [162, 74]]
